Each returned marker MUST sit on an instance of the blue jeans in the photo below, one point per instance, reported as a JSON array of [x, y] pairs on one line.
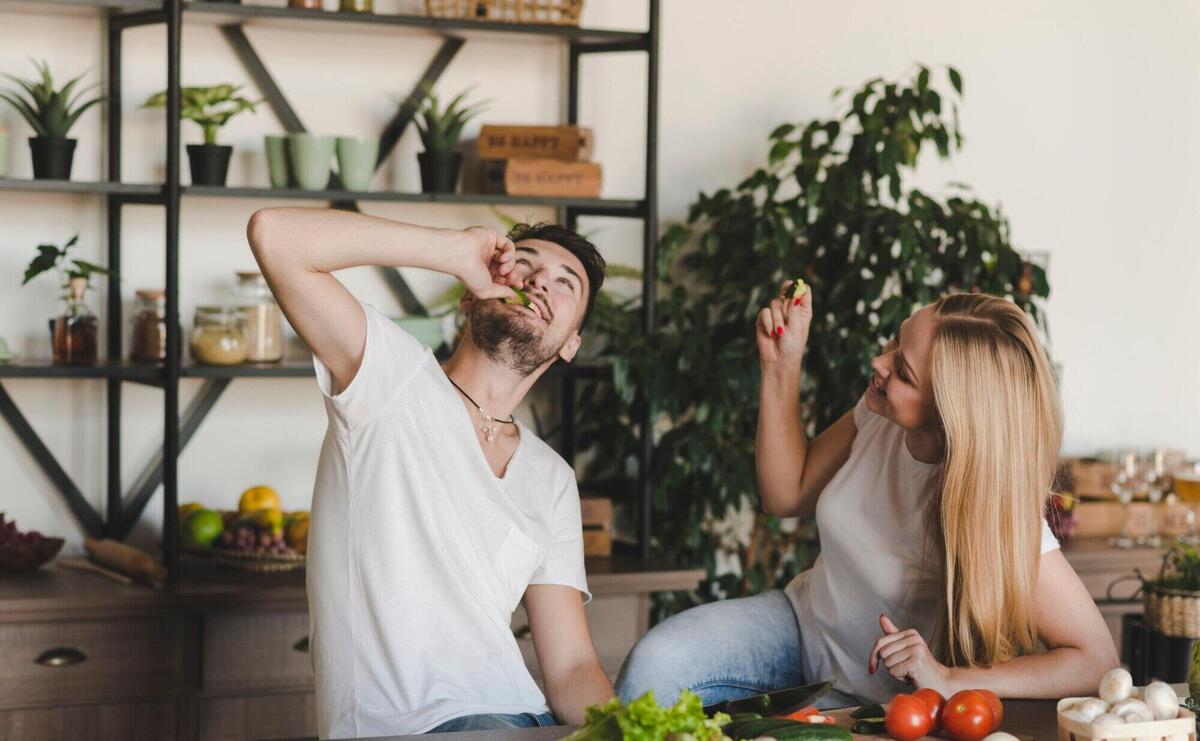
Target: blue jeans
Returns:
[[722, 651], [495, 721]]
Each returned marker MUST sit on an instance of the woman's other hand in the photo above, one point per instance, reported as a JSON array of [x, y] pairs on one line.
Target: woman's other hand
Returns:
[[782, 328], [907, 657]]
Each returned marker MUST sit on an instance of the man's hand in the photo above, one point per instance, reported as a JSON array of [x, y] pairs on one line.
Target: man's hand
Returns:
[[487, 259], [908, 658]]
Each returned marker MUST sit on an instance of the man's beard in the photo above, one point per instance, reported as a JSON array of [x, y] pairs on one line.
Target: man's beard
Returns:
[[507, 339]]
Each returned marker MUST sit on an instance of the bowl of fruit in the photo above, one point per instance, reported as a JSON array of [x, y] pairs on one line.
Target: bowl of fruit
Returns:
[[258, 536], [24, 551]]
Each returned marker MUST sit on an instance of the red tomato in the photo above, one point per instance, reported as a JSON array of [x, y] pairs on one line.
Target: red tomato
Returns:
[[934, 701], [997, 707], [907, 718], [967, 716]]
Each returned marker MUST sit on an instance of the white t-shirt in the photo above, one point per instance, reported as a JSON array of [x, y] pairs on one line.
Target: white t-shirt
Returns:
[[871, 517], [418, 553]]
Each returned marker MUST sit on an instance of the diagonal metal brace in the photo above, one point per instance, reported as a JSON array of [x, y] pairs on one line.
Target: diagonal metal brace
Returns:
[[151, 477], [287, 116], [83, 511]]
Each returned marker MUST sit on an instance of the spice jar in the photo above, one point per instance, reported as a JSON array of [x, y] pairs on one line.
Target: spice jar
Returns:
[[263, 319], [217, 337], [149, 341], [356, 6], [306, 4]]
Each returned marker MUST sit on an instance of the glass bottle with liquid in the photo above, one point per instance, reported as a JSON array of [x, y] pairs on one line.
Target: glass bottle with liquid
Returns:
[[76, 328], [263, 327]]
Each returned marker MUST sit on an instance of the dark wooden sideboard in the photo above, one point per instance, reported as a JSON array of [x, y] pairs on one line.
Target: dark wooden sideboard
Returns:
[[223, 656]]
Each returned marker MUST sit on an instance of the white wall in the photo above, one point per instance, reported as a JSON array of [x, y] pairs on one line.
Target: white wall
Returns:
[[1080, 119]]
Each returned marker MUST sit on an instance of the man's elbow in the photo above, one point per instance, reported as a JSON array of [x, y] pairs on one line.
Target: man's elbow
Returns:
[[261, 231]]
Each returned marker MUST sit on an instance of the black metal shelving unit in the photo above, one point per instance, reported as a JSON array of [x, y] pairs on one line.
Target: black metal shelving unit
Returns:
[[124, 507]]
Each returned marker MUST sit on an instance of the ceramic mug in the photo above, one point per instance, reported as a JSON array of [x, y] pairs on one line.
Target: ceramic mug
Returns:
[[311, 156], [356, 157], [279, 166]]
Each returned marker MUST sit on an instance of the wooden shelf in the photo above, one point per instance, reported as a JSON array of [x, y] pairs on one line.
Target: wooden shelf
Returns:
[[223, 13], [76, 7], [100, 187], [632, 207], [38, 368], [287, 368]]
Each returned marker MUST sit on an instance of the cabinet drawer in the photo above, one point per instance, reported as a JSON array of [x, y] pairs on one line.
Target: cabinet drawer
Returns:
[[77, 661], [144, 721], [256, 650], [286, 715]]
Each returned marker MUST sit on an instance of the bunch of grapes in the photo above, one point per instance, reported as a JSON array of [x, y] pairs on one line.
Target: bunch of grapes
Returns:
[[250, 540], [10, 536]]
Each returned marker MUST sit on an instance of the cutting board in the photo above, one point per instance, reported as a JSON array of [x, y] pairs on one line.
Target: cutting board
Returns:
[[845, 721]]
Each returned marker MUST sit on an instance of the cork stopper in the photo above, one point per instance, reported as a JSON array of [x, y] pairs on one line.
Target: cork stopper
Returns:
[[76, 287]]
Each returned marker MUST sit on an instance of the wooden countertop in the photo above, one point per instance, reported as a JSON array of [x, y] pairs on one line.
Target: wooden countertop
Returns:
[[58, 592]]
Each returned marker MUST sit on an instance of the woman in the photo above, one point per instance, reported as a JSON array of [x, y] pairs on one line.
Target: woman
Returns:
[[937, 568]]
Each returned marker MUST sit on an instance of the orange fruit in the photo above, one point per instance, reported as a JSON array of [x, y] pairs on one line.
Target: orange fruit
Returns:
[[258, 497]]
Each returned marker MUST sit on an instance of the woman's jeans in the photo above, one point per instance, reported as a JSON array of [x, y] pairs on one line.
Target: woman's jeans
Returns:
[[722, 651], [495, 722]]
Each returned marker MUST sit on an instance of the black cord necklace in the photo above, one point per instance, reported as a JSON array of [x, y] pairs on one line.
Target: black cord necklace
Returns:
[[489, 425]]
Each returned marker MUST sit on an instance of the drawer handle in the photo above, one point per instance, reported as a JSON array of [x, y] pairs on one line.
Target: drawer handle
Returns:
[[301, 645], [522, 633], [61, 656]]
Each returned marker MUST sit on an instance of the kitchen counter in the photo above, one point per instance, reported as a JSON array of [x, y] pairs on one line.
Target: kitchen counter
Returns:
[[60, 592], [1035, 719]]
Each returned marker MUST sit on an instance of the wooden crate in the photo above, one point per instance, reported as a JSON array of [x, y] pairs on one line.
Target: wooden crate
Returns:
[[540, 177], [570, 143], [1180, 728], [597, 516]]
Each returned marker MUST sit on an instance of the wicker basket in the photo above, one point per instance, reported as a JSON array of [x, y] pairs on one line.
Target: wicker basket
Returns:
[[1172, 612], [550, 12]]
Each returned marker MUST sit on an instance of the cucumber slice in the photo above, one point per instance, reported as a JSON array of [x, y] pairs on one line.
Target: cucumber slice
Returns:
[[799, 288], [520, 299], [869, 711]]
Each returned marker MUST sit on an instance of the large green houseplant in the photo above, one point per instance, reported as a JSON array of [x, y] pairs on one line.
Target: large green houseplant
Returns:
[[210, 108], [832, 205], [51, 112]]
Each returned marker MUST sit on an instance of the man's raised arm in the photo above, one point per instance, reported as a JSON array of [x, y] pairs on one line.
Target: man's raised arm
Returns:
[[298, 248]]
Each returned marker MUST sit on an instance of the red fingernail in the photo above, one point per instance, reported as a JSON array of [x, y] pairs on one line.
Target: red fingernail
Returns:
[[779, 331], [796, 302]]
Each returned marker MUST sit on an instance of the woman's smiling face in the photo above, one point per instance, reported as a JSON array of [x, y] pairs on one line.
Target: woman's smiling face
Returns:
[[901, 388]]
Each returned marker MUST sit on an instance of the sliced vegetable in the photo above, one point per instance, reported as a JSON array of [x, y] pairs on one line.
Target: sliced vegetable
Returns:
[[803, 714], [868, 711], [799, 288], [869, 727], [520, 299]]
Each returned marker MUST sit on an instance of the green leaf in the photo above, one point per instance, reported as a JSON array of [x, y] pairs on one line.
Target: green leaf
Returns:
[[47, 258], [955, 79]]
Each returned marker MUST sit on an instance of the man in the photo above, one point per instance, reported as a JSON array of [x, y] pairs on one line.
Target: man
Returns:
[[434, 512]]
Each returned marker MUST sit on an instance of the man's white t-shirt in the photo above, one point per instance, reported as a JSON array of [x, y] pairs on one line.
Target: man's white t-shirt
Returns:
[[418, 554], [873, 561]]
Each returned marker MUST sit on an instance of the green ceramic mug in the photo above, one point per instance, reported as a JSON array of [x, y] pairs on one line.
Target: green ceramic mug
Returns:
[[279, 166], [311, 156], [356, 157], [3, 154]]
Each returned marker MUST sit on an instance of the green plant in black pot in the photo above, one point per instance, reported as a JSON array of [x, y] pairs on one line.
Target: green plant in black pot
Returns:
[[440, 130], [210, 108], [51, 113], [835, 205]]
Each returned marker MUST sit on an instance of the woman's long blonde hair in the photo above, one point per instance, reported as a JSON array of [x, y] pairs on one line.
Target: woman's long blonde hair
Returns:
[[998, 404]]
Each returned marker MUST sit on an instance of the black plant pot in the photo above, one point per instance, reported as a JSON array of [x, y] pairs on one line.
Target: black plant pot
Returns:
[[209, 162], [439, 171], [52, 157]]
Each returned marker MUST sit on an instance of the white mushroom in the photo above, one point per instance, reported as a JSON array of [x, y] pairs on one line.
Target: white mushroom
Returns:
[[1000, 736], [1116, 685], [1162, 700], [1086, 710], [1132, 711], [1108, 719]]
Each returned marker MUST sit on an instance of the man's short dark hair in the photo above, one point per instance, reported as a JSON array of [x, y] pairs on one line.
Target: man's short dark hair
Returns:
[[585, 251]]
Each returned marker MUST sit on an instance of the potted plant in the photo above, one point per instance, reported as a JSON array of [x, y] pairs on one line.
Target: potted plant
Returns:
[[1172, 599], [51, 113], [73, 332], [440, 130], [210, 108]]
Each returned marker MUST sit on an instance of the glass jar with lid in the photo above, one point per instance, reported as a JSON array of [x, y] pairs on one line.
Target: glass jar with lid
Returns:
[[263, 319], [149, 341], [217, 336]]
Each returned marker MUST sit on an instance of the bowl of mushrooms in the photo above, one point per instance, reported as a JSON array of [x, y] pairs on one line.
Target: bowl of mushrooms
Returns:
[[1123, 712]]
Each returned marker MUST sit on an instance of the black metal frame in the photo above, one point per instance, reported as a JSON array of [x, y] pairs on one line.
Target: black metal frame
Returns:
[[124, 509]]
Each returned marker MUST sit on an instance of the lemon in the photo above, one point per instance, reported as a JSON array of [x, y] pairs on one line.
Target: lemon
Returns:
[[258, 497]]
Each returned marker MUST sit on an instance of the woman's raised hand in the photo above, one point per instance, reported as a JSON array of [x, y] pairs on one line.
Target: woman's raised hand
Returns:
[[782, 328]]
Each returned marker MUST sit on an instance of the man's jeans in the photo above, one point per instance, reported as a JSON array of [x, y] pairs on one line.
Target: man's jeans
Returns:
[[495, 721], [722, 651]]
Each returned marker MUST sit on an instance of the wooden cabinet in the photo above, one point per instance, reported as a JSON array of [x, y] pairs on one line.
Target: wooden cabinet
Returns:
[[225, 656]]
